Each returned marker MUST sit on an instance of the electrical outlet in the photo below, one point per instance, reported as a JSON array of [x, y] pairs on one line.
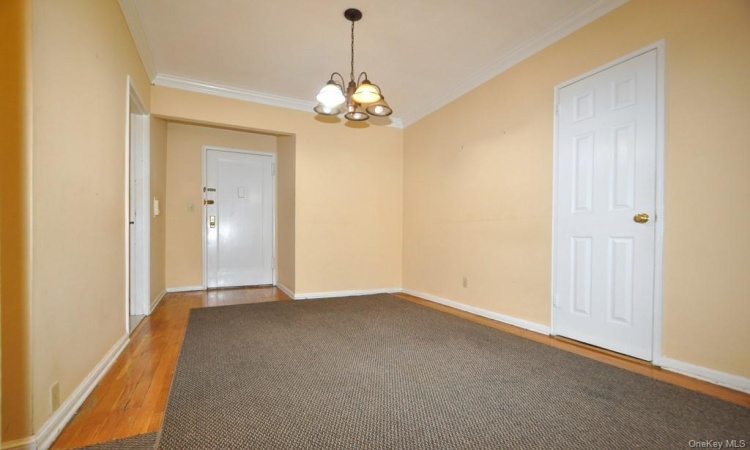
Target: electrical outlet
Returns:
[[466, 282], [54, 397]]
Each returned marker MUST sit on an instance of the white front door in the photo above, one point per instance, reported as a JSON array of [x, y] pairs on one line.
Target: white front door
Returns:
[[605, 186], [239, 218]]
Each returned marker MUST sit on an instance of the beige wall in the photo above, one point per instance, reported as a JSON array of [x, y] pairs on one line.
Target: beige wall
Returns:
[[285, 211], [478, 178], [184, 255], [348, 189], [15, 395], [158, 231], [82, 55]]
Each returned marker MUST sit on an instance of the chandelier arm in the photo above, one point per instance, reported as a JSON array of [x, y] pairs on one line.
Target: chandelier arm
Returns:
[[359, 78], [343, 82]]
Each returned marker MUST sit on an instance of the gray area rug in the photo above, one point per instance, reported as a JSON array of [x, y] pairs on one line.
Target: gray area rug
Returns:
[[139, 442], [379, 372]]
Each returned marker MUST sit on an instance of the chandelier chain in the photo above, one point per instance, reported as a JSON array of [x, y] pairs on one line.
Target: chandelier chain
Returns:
[[352, 66]]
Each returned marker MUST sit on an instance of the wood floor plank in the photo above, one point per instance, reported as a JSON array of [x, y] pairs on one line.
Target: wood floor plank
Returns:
[[132, 396]]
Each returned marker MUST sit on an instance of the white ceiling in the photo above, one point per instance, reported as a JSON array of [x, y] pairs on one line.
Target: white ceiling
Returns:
[[422, 53]]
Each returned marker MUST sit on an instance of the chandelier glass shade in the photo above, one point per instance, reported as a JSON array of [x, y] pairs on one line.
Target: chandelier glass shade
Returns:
[[358, 99], [331, 94]]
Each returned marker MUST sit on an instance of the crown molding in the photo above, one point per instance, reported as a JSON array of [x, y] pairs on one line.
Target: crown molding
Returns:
[[248, 95], [221, 90], [133, 18], [518, 54]]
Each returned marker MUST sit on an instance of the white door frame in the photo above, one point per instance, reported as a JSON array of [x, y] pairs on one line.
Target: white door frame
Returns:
[[141, 228], [659, 211], [204, 217]]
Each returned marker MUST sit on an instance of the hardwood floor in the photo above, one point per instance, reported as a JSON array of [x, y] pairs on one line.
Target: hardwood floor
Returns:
[[600, 354], [131, 397]]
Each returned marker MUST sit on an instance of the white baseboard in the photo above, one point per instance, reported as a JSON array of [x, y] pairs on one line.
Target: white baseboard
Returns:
[[155, 301], [729, 380], [313, 295], [525, 324], [185, 289], [55, 424], [285, 290], [20, 444]]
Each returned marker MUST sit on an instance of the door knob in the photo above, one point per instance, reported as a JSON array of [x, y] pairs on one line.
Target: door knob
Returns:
[[641, 218], [208, 202]]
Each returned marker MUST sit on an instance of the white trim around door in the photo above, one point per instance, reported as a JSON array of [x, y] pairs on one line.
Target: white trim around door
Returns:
[[659, 48], [137, 140]]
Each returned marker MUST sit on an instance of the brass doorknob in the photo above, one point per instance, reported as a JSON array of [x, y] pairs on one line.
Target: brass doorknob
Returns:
[[641, 218]]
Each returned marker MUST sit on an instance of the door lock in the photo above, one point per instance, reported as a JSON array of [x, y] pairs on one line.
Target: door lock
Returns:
[[641, 218], [208, 202], [212, 221]]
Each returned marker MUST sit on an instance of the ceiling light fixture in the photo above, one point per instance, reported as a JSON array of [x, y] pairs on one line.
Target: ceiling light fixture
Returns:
[[360, 98]]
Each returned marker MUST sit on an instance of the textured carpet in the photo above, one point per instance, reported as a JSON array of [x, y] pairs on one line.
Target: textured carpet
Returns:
[[139, 442], [378, 372]]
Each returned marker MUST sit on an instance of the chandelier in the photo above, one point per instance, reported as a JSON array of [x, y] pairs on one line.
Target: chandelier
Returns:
[[360, 99]]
